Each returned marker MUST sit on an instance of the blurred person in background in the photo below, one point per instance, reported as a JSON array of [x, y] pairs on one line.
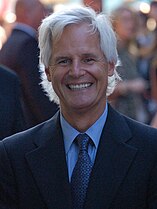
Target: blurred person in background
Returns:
[[146, 41], [11, 112], [21, 54], [127, 97], [153, 83], [153, 67]]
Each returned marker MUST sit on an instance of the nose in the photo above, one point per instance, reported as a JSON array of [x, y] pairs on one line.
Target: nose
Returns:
[[76, 69]]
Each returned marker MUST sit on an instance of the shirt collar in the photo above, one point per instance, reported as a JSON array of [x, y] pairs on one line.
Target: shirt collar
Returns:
[[27, 29], [94, 132]]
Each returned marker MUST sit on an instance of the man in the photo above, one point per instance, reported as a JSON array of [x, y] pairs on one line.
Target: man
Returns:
[[21, 54], [117, 156], [11, 113]]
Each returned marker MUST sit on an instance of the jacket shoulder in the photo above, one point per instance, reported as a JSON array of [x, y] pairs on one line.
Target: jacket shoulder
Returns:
[[32, 137]]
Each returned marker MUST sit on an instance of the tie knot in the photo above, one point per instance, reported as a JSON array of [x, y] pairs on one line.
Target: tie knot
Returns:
[[83, 141]]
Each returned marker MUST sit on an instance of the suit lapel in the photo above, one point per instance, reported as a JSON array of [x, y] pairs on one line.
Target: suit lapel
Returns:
[[112, 162], [48, 166]]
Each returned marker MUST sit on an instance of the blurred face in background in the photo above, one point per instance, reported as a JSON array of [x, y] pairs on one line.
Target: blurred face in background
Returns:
[[125, 25], [31, 12], [38, 12]]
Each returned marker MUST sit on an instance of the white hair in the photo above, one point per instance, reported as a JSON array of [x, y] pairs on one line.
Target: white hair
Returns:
[[52, 28]]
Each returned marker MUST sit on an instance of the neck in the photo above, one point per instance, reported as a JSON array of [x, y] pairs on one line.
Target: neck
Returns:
[[82, 120]]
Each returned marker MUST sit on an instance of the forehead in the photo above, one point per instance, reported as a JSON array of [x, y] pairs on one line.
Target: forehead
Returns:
[[77, 39], [75, 30], [77, 33]]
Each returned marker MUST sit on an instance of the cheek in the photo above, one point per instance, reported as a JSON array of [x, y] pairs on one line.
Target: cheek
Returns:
[[99, 76], [52, 74], [99, 71], [57, 78]]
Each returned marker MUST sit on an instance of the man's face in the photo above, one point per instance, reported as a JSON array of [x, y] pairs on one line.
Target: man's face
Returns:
[[79, 70]]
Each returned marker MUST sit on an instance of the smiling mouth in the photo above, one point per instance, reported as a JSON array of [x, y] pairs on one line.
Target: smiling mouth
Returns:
[[81, 86]]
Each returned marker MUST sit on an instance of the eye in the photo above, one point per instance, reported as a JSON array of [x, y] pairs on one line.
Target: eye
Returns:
[[88, 60], [63, 62]]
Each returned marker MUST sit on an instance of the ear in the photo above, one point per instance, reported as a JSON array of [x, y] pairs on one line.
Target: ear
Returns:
[[48, 74], [111, 67]]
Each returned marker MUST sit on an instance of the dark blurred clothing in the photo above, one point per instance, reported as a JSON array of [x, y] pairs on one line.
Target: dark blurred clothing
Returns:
[[21, 54], [131, 103], [11, 114]]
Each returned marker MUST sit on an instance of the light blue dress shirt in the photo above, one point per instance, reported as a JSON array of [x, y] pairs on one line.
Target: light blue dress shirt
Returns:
[[70, 133]]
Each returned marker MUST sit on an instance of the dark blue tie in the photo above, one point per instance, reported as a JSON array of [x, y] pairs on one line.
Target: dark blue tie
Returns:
[[81, 172]]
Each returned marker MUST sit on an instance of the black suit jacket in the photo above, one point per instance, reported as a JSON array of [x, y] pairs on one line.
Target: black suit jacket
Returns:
[[11, 113], [21, 54], [34, 172]]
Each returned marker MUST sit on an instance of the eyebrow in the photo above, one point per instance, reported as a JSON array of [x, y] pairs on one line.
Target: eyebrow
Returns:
[[60, 57], [90, 55], [82, 55]]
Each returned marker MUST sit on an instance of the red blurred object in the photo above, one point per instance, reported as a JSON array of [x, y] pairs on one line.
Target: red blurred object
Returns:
[[4, 4], [95, 4]]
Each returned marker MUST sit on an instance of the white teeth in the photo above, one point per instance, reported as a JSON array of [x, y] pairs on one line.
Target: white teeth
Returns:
[[79, 86]]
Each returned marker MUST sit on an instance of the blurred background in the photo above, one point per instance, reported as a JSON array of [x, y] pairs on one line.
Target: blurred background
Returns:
[[8, 17]]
